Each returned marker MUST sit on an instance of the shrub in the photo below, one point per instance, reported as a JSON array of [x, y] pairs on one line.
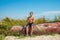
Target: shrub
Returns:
[[2, 37]]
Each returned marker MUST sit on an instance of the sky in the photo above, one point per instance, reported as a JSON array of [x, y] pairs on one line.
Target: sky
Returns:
[[20, 9]]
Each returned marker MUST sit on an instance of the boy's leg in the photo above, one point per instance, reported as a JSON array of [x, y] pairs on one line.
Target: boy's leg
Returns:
[[26, 30], [31, 30]]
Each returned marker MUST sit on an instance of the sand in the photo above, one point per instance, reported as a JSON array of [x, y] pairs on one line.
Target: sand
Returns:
[[41, 37]]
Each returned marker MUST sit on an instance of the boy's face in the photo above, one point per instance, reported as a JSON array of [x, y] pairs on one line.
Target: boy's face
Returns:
[[31, 14]]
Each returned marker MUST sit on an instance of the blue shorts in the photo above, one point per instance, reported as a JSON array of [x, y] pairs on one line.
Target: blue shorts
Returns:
[[30, 24]]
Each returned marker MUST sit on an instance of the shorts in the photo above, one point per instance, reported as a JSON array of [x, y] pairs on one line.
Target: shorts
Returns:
[[30, 24]]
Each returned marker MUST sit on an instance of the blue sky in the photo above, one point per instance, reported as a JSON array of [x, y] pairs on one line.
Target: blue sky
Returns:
[[19, 9]]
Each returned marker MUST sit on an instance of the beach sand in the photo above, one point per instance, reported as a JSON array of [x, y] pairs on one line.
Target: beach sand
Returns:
[[41, 37]]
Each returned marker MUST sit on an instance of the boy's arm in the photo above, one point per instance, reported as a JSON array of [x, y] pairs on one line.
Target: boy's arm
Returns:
[[33, 19]]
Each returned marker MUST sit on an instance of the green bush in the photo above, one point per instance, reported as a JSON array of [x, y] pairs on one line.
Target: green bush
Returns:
[[7, 23], [2, 37]]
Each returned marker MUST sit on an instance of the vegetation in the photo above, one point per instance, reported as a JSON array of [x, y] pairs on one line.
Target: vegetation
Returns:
[[2, 37], [7, 23]]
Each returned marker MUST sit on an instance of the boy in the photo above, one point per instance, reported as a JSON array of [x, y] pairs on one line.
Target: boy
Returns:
[[30, 21]]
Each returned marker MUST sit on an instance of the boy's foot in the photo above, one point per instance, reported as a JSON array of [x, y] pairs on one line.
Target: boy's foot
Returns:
[[26, 35], [30, 35]]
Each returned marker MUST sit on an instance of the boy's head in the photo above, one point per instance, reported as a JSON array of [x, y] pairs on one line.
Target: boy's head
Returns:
[[31, 13]]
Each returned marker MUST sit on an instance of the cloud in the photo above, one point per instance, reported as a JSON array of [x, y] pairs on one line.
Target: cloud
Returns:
[[49, 13]]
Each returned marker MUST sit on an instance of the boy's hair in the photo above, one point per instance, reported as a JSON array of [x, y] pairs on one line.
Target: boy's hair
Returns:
[[31, 12]]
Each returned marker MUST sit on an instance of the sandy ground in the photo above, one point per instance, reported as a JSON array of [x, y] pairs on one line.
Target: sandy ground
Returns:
[[42, 37]]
